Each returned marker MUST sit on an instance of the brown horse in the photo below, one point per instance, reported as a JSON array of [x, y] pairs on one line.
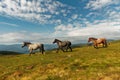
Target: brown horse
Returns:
[[96, 41], [62, 44]]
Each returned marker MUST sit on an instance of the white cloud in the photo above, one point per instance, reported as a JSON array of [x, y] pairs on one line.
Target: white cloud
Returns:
[[73, 32], [113, 15], [108, 13], [10, 24], [52, 11], [105, 22], [103, 29], [46, 11], [98, 4], [19, 37], [75, 16]]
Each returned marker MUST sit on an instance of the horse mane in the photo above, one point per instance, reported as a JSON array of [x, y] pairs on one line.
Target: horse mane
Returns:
[[27, 42], [58, 40], [93, 38]]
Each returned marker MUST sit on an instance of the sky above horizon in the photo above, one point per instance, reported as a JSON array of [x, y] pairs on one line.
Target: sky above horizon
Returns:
[[44, 20]]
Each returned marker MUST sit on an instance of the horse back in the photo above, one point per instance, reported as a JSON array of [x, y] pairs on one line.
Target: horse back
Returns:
[[103, 39], [35, 46], [66, 43], [100, 40]]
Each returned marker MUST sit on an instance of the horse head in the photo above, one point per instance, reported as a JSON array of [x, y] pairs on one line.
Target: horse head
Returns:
[[89, 39], [55, 41], [25, 44]]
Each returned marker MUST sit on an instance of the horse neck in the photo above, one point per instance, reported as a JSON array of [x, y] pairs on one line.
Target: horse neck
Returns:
[[58, 42], [28, 44], [93, 40]]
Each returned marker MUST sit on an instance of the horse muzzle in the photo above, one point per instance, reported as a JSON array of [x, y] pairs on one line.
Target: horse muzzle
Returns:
[[22, 46]]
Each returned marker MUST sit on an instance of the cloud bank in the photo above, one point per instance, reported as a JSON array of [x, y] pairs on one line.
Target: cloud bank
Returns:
[[103, 29], [102, 20]]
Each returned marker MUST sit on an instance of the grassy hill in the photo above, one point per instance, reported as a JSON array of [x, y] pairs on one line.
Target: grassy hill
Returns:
[[84, 63]]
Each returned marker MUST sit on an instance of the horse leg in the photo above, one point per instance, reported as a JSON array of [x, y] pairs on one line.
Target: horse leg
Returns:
[[57, 50], [42, 50], [67, 48], [106, 43], [70, 48], [62, 49], [30, 52], [96, 46], [103, 44]]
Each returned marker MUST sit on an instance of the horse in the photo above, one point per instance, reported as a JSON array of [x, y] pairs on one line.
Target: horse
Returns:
[[63, 44], [33, 46], [96, 41]]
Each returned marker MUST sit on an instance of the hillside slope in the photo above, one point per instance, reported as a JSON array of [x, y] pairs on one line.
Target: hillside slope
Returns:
[[84, 63]]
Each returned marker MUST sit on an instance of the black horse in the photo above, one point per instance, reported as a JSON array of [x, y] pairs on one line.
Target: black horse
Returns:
[[63, 44]]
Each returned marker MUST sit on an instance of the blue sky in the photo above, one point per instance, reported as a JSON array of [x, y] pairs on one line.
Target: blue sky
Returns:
[[44, 20]]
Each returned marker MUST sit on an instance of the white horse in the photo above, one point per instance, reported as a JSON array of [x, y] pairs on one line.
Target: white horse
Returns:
[[33, 46]]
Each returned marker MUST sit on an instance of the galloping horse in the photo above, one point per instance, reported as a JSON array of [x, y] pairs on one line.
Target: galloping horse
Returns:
[[62, 44], [33, 46], [96, 41]]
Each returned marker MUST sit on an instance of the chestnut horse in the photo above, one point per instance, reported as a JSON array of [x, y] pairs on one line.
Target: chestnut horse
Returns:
[[62, 44], [96, 41]]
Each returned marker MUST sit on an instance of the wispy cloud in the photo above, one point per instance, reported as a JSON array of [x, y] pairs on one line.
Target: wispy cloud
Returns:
[[41, 11], [98, 4], [9, 24], [104, 10]]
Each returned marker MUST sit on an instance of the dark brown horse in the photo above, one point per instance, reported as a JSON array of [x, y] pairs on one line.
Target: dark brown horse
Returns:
[[63, 44], [33, 46], [96, 41]]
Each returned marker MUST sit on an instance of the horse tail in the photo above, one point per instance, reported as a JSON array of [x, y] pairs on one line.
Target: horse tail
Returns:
[[42, 48], [70, 43], [106, 43]]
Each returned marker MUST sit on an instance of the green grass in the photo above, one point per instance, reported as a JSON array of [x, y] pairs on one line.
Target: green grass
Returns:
[[84, 63]]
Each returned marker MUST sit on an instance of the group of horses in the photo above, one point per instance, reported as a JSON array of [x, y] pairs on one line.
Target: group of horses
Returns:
[[63, 44]]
